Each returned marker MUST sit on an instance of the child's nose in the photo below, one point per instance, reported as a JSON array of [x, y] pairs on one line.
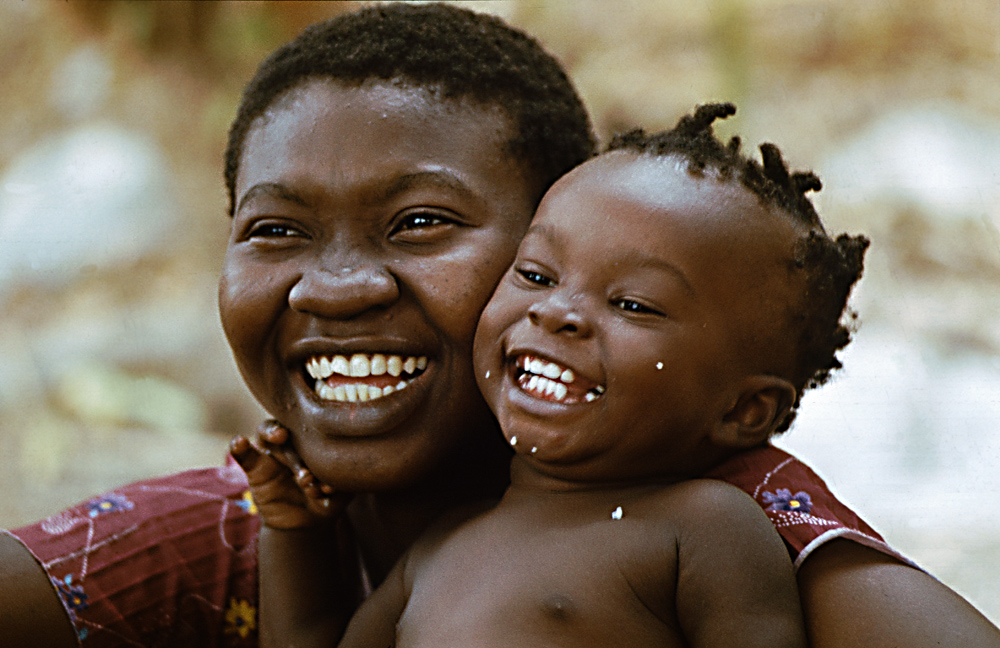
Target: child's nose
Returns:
[[561, 314], [345, 291]]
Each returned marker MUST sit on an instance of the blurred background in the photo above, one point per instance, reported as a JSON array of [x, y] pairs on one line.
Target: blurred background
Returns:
[[113, 117]]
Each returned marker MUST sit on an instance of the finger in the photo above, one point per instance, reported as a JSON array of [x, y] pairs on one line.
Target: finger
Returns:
[[273, 432], [243, 452]]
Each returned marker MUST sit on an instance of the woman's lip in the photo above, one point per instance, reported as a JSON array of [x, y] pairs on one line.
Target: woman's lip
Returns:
[[362, 418]]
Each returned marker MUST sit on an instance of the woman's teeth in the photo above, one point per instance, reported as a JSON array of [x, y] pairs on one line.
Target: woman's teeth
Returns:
[[549, 381], [362, 365]]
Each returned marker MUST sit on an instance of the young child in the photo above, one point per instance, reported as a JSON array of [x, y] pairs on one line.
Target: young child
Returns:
[[666, 309]]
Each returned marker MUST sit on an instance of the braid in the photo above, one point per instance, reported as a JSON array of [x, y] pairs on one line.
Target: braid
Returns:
[[830, 267]]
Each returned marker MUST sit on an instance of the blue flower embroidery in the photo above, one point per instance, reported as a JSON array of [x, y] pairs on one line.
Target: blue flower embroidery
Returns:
[[74, 596], [783, 500], [110, 503]]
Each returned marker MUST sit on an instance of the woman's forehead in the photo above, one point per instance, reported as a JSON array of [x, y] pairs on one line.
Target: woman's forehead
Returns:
[[326, 128]]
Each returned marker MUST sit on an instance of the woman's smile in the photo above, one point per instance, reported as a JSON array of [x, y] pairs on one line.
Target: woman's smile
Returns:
[[372, 224]]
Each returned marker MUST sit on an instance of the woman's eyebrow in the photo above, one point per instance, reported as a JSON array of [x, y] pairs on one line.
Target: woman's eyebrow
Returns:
[[273, 189], [438, 177]]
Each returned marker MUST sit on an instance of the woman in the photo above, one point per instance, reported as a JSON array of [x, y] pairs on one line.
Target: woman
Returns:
[[381, 170]]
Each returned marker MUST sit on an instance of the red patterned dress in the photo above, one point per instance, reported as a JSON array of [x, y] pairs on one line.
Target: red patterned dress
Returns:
[[173, 561]]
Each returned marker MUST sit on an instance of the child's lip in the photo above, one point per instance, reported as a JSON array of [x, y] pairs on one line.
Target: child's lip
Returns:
[[549, 380]]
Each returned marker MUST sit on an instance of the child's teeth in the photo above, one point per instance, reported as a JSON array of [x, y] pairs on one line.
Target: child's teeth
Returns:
[[532, 383], [560, 391], [589, 397], [552, 371], [567, 376]]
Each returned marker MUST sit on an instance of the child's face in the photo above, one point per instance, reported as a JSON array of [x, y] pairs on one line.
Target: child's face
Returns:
[[371, 222], [621, 334]]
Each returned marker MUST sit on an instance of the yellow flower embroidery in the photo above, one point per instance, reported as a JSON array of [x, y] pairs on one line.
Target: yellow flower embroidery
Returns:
[[241, 617], [247, 503]]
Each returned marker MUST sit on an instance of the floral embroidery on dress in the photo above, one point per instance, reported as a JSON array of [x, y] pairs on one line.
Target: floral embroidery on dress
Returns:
[[74, 596], [241, 617], [246, 503], [110, 503], [61, 523], [783, 500]]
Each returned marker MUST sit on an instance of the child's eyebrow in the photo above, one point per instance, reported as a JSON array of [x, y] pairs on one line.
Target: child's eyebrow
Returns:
[[646, 261], [270, 189]]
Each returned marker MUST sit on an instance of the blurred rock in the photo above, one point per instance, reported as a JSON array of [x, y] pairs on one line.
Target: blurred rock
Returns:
[[96, 196]]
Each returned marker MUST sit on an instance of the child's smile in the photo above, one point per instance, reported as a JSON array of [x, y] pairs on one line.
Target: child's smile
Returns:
[[613, 346], [550, 381]]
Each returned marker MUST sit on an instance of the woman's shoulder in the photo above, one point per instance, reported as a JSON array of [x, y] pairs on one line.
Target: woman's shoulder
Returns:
[[186, 540], [798, 502]]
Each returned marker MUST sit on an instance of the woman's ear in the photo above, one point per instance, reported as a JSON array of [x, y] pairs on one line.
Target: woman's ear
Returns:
[[762, 404]]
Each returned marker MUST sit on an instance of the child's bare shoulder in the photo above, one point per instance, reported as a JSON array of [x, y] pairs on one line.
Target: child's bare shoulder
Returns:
[[705, 506]]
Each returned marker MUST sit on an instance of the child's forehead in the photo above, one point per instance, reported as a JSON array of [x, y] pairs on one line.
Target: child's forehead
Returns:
[[644, 188]]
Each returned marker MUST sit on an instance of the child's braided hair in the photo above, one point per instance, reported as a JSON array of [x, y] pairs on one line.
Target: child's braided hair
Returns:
[[455, 52], [831, 266]]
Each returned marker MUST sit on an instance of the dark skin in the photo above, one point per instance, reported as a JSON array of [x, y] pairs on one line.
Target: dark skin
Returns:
[[610, 355], [471, 463], [386, 251]]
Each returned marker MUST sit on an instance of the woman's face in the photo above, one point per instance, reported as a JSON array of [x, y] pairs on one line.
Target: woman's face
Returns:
[[371, 225]]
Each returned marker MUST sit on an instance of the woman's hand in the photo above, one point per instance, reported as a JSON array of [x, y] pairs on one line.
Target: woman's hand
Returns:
[[286, 493]]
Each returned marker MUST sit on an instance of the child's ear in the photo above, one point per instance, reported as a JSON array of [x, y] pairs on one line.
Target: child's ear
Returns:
[[762, 404]]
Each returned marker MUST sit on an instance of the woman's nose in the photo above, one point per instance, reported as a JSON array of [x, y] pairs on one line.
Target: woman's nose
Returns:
[[343, 292], [558, 314]]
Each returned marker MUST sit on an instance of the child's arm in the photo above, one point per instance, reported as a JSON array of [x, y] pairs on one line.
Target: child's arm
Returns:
[[374, 624], [308, 572], [735, 582]]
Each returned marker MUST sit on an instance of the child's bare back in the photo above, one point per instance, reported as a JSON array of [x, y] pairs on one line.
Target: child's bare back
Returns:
[[639, 566]]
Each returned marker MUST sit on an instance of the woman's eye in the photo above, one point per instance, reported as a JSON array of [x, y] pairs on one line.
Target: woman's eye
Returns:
[[536, 278], [418, 221], [274, 230], [632, 306]]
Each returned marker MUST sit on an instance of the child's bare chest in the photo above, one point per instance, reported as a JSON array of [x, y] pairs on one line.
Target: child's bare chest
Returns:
[[572, 573]]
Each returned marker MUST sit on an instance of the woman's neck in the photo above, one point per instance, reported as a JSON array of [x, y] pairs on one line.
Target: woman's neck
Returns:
[[387, 523]]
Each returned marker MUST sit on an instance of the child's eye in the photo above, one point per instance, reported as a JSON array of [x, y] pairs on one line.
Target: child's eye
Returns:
[[536, 278], [632, 306]]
